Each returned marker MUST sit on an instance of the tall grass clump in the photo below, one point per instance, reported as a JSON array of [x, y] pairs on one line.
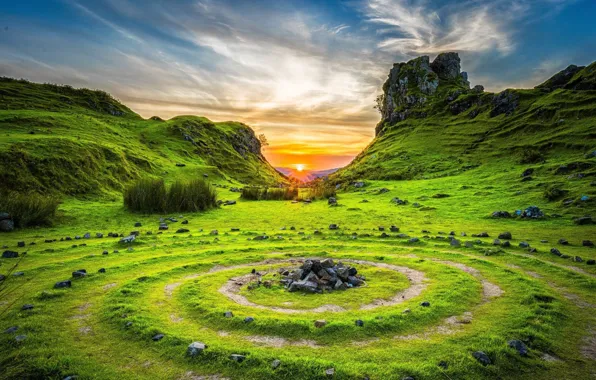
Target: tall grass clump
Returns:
[[320, 190], [29, 209], [253, 193], [152, 196], [196, 195], [146, 195]]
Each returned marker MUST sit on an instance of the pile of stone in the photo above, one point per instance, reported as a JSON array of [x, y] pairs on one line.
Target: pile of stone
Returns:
[[316, 276]]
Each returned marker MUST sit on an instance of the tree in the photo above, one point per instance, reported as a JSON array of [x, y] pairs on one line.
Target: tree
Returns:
[[380, 103], [263, 140]]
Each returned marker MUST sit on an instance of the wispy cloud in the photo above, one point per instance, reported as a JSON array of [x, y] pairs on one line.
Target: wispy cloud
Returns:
[[413, 27]]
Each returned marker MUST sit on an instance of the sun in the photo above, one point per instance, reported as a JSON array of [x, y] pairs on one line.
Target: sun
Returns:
[[300, 167]]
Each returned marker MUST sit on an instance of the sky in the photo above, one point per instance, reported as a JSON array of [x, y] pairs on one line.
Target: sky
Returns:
[[305, 72]]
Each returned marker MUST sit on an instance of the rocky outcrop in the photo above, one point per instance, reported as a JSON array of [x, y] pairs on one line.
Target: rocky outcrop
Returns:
[[560, 79], [411, 84]]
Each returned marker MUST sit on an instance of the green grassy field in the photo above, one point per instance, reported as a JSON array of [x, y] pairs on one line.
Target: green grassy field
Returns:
[[480, 297], [141, 304]]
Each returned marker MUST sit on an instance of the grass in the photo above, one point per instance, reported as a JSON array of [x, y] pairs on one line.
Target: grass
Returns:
[[58, 140], [168, 282], [156, 287], [29, 209], [252, 193]]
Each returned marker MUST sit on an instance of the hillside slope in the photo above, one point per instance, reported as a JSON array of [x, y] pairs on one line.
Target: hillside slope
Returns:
[[536, 143], [56, 139]]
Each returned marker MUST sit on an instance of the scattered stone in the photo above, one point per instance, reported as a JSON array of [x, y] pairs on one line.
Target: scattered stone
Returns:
[[332, 201], [214, 232], [439, 196], [524, 244], [27, 307], [228, 314], [501, 214], [563, 242], [578, 259], [163, 227], [496, 242], [505, 236], [128, 240], [394, 229], [275, 364], [532, 212], [102, 270], [182, 231], [195, 348], [399, 202], [20, 338], [63, 284], [591, 262], [320, 323], [519, 346], [10, 254], [330, 372], [157, 337], [79, 273], [506, 244], [455, 243], [237, 358], [555, 252], [481, 235], [359, 322], [587, 243], [333, 227], [482, 358], [249, 320], [87, 235], [425, 304], [11, 330], [414, 240], [229, 203], [6, 223], [21, 244]]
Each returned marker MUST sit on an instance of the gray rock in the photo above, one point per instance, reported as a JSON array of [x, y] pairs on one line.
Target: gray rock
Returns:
[[332, 201], [482, 358], [228, 314], [10, 254], [275, 364], [447, 66], [163, 227], [519, 346], [27, 307], [11, 330], [524, 244], [249, 320], [79, 273], [333, 227], [195, 348], [20, 338], [214, 232], [237, 358], [330, 372], [359, 322], [425, 304], [87, 235], [182, 231], [63, 284], [587, 243], [157, 337], [505, 236], [128, 240]]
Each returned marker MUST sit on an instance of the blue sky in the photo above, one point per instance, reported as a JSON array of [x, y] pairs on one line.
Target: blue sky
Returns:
[[305, 73]]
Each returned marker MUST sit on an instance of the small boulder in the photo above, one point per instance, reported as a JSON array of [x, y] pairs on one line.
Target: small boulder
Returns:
[[228, 314], [482, 358], [587, 243], [157, 337], [505, 236], [195, 348], [10, 254], [63, 284], [320, 323], [519, 346], [182, 231], [27, 307], [425, 304], [275, 364], [359, 322], [249, 320], [237, 358]]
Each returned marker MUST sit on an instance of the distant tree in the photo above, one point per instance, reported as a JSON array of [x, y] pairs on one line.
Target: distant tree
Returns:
[[380, 103], [263, 140]]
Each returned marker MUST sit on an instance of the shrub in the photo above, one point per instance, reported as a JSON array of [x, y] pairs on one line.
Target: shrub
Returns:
[[29, 209], [269, 194], [193, 196], [320, 190], [146, 195], [152, 196]]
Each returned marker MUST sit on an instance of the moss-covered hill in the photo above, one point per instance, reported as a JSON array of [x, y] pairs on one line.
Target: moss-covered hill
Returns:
[[434, 125], [56, 139]]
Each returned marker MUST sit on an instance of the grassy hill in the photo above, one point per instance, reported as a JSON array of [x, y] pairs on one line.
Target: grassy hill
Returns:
[[451, 129], [57, 139]]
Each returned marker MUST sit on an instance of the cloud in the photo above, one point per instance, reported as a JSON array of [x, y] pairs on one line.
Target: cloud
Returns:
[[414, 27]]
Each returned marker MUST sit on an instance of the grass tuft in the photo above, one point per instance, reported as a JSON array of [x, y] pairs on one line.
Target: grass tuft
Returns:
[[29, 209], [152, 196]]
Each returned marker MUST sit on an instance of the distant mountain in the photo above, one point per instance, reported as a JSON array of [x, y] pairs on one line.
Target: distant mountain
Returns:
[[306, 175]]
